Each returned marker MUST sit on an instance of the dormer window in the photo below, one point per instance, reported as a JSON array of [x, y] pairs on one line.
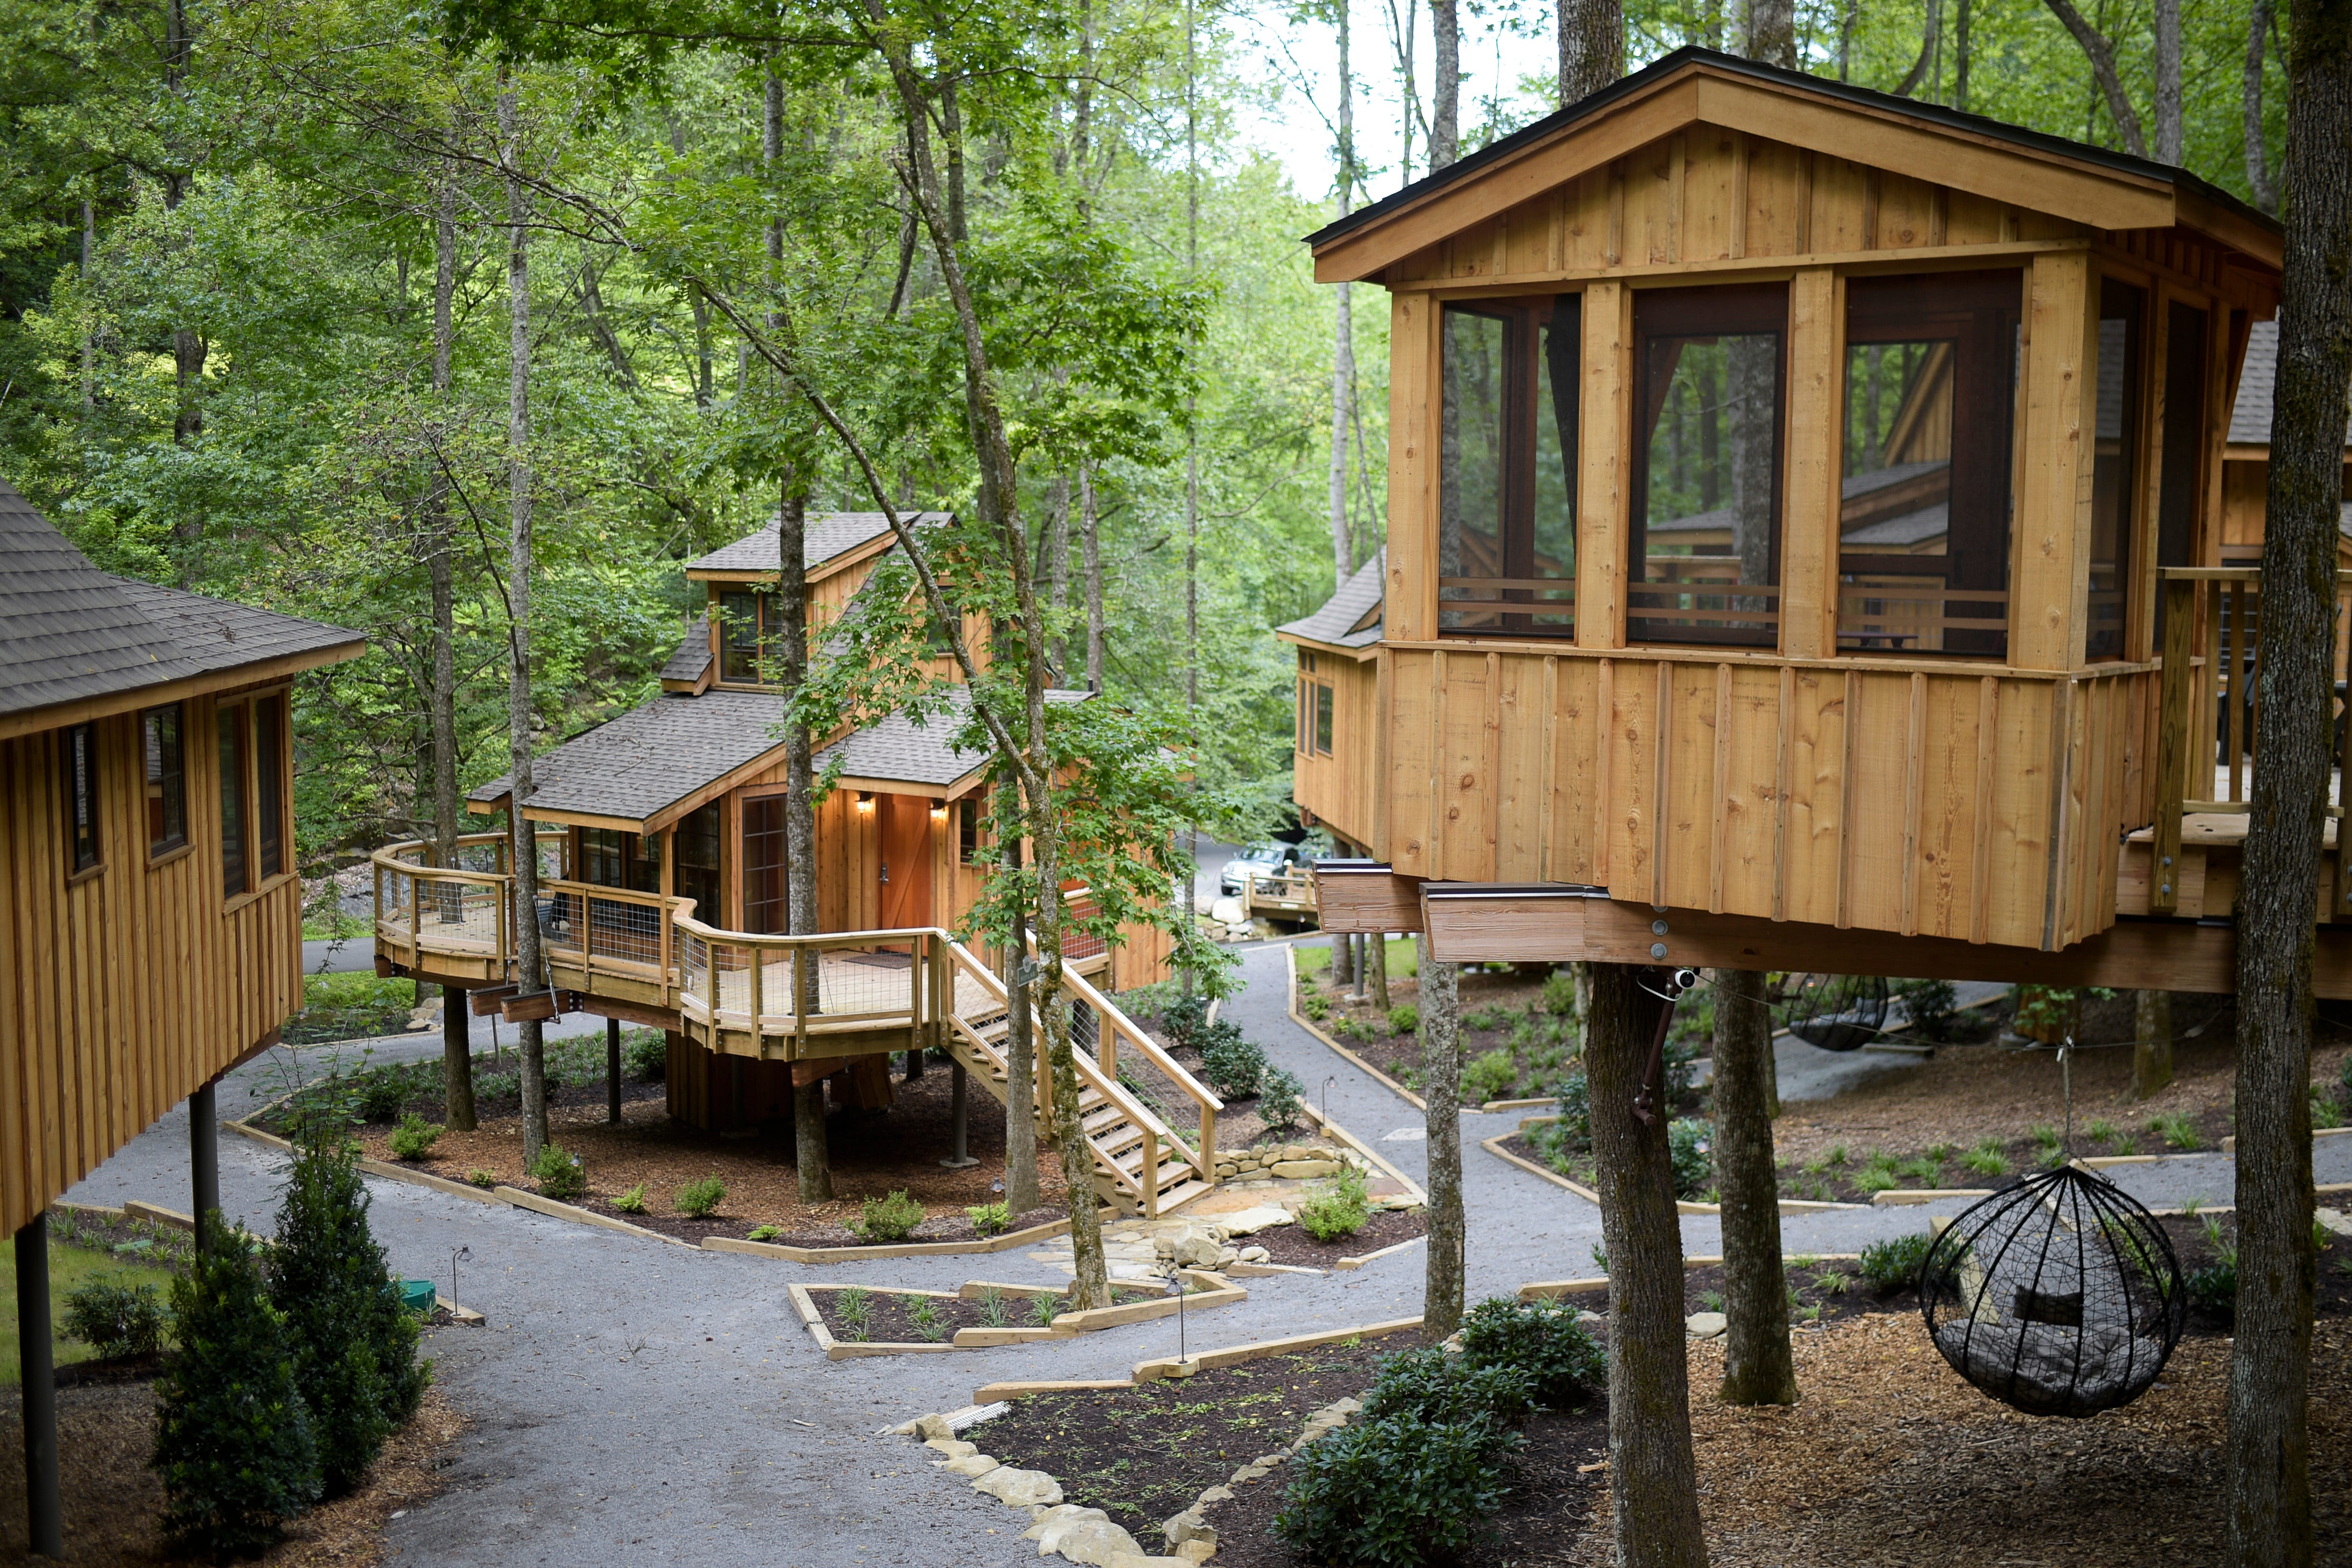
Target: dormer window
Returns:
[[747, 621]]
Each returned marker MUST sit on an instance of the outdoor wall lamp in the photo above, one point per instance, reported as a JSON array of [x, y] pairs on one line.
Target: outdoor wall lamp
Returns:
[[939, 811], [865, 801]]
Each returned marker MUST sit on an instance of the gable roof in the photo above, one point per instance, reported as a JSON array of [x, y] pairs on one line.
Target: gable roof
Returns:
[[898, 750], [828, 536], [71, 635], [1350, 618], [1967, 152], [636, 766]]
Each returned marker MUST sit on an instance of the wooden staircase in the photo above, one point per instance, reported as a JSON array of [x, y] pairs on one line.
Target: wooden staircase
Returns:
[[1140, 1165]]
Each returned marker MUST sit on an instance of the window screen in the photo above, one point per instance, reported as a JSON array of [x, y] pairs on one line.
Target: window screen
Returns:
[[270, 784], [968, 829], [236, 808], [739, 636], [696, 845], [2114, 493], [765, 858], [2181, 484], [1705, 536], [610, 857], [1506, 468], [165, 744], [81, 796], [1924, 496], [1323, 720]]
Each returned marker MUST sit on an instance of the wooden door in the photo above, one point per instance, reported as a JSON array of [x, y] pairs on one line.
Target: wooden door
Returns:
[[904, 874]]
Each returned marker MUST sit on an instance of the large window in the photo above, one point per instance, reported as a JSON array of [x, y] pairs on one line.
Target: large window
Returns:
[[697, 846], [167, 777], [2114, 494], [1506, 469], [1313, 735], [2181, 480], [81, 791], [766, 865], [236, 801], [270, 784], [1704, 550], [742, 639], [611, 857], [1924, 510], [968, 829]]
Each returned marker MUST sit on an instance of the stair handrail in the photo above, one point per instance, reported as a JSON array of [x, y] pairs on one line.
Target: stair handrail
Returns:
[[391, 859], [1113, 1022]]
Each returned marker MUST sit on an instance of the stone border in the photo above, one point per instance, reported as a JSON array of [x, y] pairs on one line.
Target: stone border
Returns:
[[1494, 1146], [1290, 1002], [1413, 1189], [1066, 1325], [516, 1197], [1159, 1368]]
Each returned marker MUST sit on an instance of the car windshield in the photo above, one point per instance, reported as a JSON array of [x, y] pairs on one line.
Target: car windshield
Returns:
[[1263, 854]]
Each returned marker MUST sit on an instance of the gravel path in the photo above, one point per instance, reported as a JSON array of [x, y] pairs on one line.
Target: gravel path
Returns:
[[637, 1400]]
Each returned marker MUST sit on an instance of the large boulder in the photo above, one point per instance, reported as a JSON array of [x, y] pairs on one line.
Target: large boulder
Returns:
[[1016, 1488]]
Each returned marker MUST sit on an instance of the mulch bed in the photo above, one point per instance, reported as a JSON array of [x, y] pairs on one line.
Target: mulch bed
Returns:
[[1291, 1244], [106, 1435], [955, 1226], [890, 1318]]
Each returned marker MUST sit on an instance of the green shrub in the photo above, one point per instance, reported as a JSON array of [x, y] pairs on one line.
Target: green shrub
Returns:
[[2176, 1128], [854, 1308], [992, 1311], [1279, 1103], [481, 1178], [415, 1137], [1890, 1264], [925, 1314], [1487, 1018], [1690, 1144], [891, 1218], [233, 1444], [1489, 1076], [1233, 1064], [1445, 1389], [1339, 1209], [1043, 1308], [645, 1056], [117, 1320], [990, 1218], [1318, 1007], [2214, 1289], [1396, 1492], [559, 1172], [1876, 1179], [1404, 1018], [1575, 1097], [764, 1233], [1184, 1017], [354, 1348], [1932, 1005], [1541, 1338], [700, 1199], [1560, 994], [632, 1201], [1988, 1158]]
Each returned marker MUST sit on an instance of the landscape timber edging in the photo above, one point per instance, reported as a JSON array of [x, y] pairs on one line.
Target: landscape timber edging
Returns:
[[2230, 1143], [1346, 1264], [1004, 1243], [1066, 1325], [1290, 963], [1544, 1290], [1494, 1146], [1159, 1368]]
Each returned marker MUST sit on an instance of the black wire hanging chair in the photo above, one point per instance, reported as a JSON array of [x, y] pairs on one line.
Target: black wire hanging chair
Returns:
[[2059, 1295], [1836, 1012]]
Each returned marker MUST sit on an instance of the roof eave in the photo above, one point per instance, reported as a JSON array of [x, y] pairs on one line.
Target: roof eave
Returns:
[[83, 710]]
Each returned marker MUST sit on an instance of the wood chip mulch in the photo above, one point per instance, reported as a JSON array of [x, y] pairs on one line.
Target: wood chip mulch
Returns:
[[1290, 1243]]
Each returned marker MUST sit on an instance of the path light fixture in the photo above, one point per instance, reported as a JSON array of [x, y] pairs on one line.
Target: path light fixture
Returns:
[[465, 1254], [1176, 1289]]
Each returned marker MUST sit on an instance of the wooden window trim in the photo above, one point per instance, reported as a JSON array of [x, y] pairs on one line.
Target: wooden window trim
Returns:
[[77, 875], [254, 895], [179, 851], [257, 885]]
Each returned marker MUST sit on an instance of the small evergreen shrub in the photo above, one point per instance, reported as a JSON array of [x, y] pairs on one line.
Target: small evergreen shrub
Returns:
[[700, 1199], [117, 1320], [645, 1056], [1932, 1005], [1541, 1338], [1890, 1264], [633, 1201], [1690, 1145], [415, 1137], [1278, 1101], [1560, 994], [1575, 1099], [1397, 1492], [764, 1233], [1445, 1389], [1233, 1064], [1184, 1017], [990, 1218], [1318, 1006], [233, 1444], [488, 1086], [889, 1218], [1489, 1076], [1403, 1018], [481, 1178], [559, 1172], [1339, 1209]]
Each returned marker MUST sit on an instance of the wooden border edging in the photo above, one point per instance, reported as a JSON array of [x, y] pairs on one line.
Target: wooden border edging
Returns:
[[1494, 1146], [1159, 1367], [1544, 1289], [1346, 1264], [2230, 1143], [1290, 1002], [1904, 1196], [1004, 1243], [1066, 1325]]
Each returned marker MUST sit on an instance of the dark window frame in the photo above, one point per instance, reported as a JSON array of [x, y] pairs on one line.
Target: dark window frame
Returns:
[[742, 634], [1525, 359], [620, 860], [1326, 702], [701, 831], [273, 832], [2108, 640], [164, 772], [233, 748], [84, 800], [968, 837]]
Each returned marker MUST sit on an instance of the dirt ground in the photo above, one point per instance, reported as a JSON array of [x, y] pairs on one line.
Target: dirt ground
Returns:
[[106, 1433], [872, 1153]]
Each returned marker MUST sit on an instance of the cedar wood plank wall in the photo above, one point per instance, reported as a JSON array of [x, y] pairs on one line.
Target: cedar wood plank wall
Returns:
[[1338, 788], [1973, 801], [129, 988]]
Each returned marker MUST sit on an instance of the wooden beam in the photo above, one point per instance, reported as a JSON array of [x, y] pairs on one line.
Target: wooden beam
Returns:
[[1604, 464], [2051, 555], [1809, 532], [1366, 896], [1416, 354]]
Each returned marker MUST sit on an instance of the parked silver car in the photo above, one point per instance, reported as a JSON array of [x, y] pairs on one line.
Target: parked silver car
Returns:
[[1257, 860]]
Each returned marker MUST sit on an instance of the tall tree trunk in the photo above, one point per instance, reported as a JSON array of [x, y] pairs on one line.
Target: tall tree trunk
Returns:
[[529, 959], [1058, 578], [1772, 33], [2168, 81], [2151, 1042], [1191, 473], [1445, 91], [1090, 545], [811, 1157], [1020, 1041], [1758, 1367], [441, 695], [1377, 956], [1592, 46], [2269, 1445], [2258, 173], [1653, 1476], [2101, 53], [89, 308], [1962, 52], [1441, 1088], [1343, 348]]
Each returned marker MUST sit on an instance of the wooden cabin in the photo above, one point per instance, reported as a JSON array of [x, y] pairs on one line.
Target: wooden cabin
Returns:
[[663, 860], [1805, 544], [2246, 460], [1331, 777]]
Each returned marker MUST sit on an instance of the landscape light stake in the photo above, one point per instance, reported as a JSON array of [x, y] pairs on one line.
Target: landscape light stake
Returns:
[[467, 1253], [1176, 1289]]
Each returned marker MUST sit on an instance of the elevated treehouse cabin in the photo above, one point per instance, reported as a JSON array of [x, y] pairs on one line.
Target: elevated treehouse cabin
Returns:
[[1805, 547], [663, 860]]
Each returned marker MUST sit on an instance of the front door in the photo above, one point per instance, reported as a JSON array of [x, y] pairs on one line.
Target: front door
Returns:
[[906, 869]]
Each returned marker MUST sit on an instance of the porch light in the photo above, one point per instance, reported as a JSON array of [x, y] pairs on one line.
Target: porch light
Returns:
[[865, 801], [939, 811]]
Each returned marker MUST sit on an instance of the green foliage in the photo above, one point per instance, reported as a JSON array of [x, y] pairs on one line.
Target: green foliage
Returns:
[[1441, 1388], [483, 1179], [233, 1441], [1988, 1158], [559, 1172], [763, 1233], [889, 1218], [1184, 1017], [1403, 1018], [1487, 1076], [928, 1319], [1690, 1150], [699, 1200], [854, 1308], [1396, 1492], [1560, 994], [2176, 1128], [2049, 1144], [1487, 1018], [415, 1137], [1315, 1005], [350, 1007], [1279, 1098], [644, 1055], [1542, 1339], [1575, 1098], [117, 1320], [990, 1307], [1932, 1005], [1338, 1209], [1892, 1264], [354, 1348], [990, 1218], [1233, 1064], [2213, 1287], [1043, 1308]]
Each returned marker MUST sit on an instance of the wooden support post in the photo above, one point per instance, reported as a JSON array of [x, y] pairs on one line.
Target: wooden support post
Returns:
[[960, 1160], [613, 1071], [2175, 722], [44, 1514]]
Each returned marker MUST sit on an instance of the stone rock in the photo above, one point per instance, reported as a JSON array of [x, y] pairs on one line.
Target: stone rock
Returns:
[[1217, 1494], [1345, 1407], [1163, 1246], [1060, 1510], [1187, 1526], [1197, 1251], [1198, 1552], [1588, 1317], [973, 1464], [1264, 1216], [1246, 1474], [1226, 1172], [1704, 1325], [1137, 1560], [1083, 1540], [1306, 1170], [1017, 1488], [1267, 1461], [1291, 1151], [1253, 1254], [954, 1448], [929, 1427], [1228, 1254]]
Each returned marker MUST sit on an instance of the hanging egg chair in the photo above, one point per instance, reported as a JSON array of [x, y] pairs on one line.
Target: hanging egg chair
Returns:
[[2059, 1295], [1835, 1012]]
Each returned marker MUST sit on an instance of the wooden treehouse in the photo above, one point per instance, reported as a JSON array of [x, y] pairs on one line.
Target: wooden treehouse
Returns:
[[1805, 548], [663, 861]]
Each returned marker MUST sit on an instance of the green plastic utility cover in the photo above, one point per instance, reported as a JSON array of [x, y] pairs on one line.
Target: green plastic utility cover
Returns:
[[416, 1295]]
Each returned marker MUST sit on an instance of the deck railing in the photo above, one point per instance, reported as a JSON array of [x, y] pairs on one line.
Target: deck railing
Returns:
[[2206, 754]]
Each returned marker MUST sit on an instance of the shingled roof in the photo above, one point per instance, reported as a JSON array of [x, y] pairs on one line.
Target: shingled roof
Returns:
[[71, 633], [898, 750], [2250, 416], [1350, 618], [651, 757], [829, 536]]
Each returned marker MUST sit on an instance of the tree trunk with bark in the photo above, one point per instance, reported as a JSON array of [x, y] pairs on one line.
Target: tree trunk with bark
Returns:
[[1592, 46], [441, 693], [530, 962], [1441, 1088], [1343, 352], [1445, 88], [1020, 1043], [2151, 1042], [1653, 1476], [1090, 547], [2101, 53], [1758, 1367], [2268, 1451], [2258, 172], [2168, 81], [1378, 957], [1772, 33]]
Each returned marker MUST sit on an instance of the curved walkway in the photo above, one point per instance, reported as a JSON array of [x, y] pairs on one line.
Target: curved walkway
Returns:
[[635, 1400]]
